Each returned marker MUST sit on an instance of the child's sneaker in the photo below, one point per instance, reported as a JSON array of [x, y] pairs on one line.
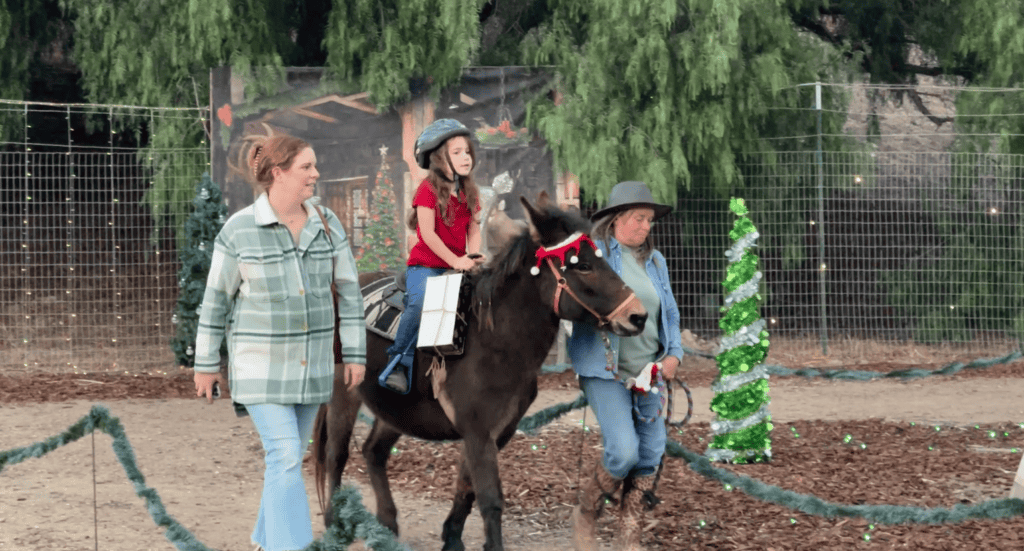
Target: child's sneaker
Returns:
[[397, 381]]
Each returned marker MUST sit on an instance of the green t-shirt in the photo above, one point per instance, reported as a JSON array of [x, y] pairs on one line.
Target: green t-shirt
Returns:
[[638, 351]]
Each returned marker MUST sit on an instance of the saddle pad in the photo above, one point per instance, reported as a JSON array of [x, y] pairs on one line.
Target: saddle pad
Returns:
[[381, 316]]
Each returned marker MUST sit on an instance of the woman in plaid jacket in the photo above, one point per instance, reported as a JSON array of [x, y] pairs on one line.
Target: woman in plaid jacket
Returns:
[[269, 294]]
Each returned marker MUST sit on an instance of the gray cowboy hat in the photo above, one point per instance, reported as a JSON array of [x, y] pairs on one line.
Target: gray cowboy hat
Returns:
[[631, 195]]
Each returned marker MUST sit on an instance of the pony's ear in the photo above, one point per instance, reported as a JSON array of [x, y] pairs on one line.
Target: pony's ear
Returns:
[[534, 215], [543, 199]]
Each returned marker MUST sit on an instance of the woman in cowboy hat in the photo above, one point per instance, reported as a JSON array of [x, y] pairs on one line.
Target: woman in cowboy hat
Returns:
[[628, 396], [447, 229]]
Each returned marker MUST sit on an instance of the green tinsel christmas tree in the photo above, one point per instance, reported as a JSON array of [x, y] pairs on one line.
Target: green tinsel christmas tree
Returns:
[[742, 421], [207, 218], [380, 248]]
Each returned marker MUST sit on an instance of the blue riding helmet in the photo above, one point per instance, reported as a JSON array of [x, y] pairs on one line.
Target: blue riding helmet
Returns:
[[434, 135]]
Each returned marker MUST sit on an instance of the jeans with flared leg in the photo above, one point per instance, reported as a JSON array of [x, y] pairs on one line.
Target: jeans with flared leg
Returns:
[[632, 433], [283, 522]]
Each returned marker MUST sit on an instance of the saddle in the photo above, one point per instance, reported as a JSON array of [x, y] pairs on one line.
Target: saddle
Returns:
[[382, 305], [397, 297]]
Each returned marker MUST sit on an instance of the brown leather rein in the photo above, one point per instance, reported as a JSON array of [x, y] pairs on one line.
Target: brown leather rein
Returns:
[[562, 284]]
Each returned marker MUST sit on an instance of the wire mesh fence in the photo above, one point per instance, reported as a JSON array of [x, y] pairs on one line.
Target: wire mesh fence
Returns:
[[910, 236], [903, 238], [88, 275], [896, 250]]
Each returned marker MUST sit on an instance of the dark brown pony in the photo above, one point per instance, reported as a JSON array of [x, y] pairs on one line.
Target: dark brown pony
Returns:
[[513, 324]]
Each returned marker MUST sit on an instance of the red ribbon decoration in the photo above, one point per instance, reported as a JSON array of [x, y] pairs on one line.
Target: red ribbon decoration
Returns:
[[559, 251]]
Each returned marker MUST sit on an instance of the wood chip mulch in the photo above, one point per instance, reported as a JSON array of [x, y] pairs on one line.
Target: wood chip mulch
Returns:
[[63, 387], [900, 464]]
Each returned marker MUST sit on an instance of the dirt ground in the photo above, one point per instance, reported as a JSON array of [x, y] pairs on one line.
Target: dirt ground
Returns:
[[206, 465]]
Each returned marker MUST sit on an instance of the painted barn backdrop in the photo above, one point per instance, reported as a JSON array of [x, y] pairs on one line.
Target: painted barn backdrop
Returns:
[[365, 158]]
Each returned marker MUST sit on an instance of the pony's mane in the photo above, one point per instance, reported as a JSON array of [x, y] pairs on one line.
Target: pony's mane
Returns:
[[519, 255]]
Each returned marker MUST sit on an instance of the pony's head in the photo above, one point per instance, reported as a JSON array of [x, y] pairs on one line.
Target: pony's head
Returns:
[[578, 285]]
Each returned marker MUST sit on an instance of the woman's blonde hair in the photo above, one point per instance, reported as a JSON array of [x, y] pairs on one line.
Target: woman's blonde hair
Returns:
[[443, 187], [604, 228], [279, 151]]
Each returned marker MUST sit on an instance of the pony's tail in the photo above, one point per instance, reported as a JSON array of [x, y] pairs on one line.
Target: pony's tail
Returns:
[[318, 451]]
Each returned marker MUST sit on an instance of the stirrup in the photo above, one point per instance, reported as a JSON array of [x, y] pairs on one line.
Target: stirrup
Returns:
[[394, 364]]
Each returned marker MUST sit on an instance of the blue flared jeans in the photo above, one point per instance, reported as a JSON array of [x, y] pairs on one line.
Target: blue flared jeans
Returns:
[[632, 431], [283, 522]]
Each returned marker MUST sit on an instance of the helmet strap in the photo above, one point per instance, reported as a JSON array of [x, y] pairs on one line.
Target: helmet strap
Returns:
[[456, 179]]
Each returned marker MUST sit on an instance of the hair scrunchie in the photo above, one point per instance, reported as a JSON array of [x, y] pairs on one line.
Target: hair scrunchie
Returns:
[[256, 163]]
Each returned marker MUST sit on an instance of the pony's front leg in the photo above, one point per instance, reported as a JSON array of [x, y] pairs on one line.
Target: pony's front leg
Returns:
[[332, 436], [481, 453], [462, 505], [376, 451]]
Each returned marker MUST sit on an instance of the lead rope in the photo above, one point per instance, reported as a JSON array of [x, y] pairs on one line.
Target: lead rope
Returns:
[[579, 463], [651, 501]]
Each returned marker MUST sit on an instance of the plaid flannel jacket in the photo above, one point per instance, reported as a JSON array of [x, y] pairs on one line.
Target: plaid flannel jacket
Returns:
[[273, 302]]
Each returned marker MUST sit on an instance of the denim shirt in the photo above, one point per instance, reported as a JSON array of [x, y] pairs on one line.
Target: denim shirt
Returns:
[[585, 347]]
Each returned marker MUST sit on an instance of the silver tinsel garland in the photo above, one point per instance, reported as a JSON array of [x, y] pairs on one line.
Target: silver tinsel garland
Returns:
[[723, 427], [732, 382], [728, 456], [735, 253], [748, 334], [744, 291]]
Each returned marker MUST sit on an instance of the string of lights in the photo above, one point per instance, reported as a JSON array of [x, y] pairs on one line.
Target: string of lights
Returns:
[[88, 279]]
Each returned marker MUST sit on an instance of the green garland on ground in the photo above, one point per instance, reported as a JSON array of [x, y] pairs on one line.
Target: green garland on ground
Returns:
[[855, 375], [811, 505], [547, 415], [100, 419], [352, 521]]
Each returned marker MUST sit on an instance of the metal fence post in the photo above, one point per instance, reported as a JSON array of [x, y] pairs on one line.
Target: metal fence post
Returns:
[[821, 221]]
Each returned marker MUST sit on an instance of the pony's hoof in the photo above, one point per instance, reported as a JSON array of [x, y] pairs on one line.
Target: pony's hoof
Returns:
[[453, 545]]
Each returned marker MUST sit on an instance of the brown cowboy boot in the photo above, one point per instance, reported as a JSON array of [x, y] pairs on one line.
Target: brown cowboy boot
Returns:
[[635, 502], [595, 491]]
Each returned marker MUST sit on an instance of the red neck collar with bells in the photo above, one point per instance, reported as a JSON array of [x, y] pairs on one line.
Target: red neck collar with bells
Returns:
[[559, 251]]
